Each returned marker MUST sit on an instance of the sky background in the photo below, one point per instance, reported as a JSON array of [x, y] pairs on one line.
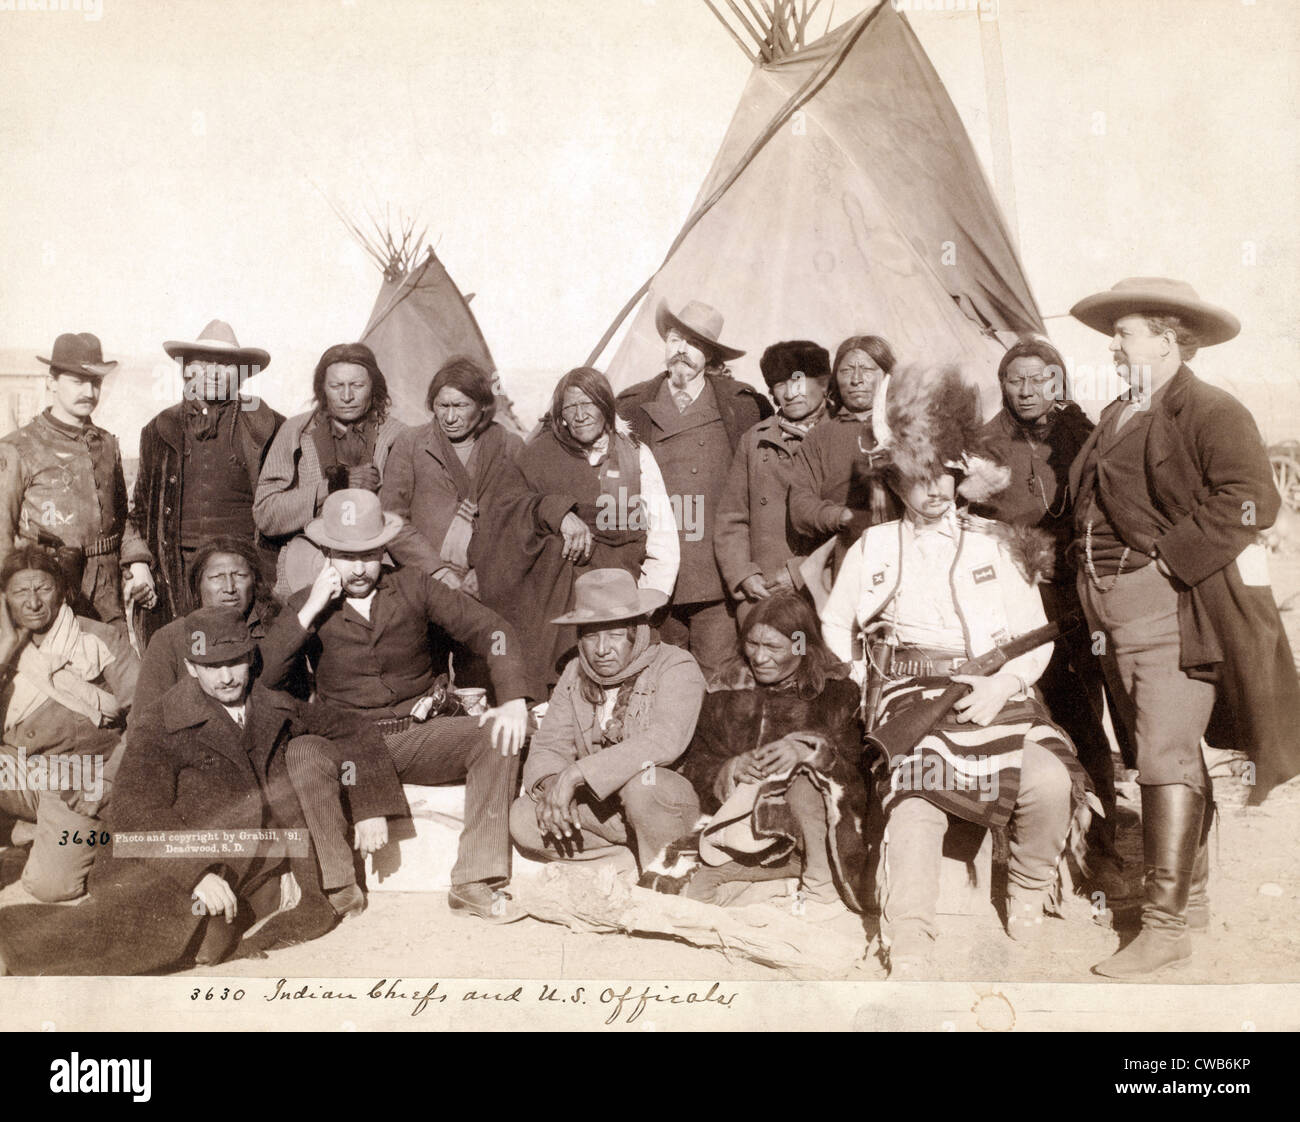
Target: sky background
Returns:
[[169, 163]]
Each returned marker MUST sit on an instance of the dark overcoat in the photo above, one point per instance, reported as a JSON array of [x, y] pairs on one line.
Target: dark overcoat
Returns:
[[188, 767], [1207, 473], [674, 445], [156, 503], [753, 535]]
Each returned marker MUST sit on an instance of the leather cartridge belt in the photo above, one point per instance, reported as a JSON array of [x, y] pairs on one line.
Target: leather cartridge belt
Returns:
[[105, 543], [389, 726], [922, 662], [96, 547]]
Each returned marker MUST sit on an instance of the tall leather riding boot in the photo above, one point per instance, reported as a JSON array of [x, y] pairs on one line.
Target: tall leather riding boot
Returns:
[[1198, 899], [1173, 817]]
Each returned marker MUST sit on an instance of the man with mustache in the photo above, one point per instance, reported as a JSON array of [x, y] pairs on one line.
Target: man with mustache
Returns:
[[1171, 491], [365, 628], [692, 416], [758, 551], [61, 475]]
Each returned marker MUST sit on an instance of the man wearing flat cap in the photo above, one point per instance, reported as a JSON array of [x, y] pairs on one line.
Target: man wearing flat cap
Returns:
[[692, 416], [61, 486], [199, 463], [758, 550], [209, 756], [1171, 491]]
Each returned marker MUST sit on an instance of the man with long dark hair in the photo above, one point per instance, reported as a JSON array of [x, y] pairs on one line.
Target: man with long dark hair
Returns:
[[1036, 434], [343, 441]]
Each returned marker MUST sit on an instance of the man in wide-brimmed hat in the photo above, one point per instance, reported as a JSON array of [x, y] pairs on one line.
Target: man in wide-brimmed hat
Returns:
[[1171, 491], [692, 415], [599, 775], [199, 463], [365, 628], [61, 485]]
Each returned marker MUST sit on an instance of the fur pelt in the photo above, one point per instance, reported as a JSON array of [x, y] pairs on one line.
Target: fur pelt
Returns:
[[933, 422], [1033, 550]]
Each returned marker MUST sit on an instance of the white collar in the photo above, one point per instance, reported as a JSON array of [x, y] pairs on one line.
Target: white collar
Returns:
[[947, 526], [692, 389]]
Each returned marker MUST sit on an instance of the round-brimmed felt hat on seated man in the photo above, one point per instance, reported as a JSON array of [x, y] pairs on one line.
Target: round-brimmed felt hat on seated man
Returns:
[[700, 323], [609, 596], [217, 635], [1157, 296], [352, 521], [217, 341], [78, 354]]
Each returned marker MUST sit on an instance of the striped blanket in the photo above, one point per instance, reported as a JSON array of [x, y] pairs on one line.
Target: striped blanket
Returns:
[[973, 771]]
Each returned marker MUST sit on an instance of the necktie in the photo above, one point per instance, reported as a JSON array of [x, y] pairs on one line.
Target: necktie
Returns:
[[682, 398]]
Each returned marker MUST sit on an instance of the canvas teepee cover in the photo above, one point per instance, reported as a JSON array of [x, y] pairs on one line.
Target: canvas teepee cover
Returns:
[[419, 321], [846, 199]]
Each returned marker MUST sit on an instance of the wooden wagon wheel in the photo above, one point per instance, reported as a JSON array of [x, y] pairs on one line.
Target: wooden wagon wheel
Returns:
[[1286, 474]]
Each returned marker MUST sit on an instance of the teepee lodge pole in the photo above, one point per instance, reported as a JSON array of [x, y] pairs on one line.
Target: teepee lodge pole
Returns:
[[753, 58]]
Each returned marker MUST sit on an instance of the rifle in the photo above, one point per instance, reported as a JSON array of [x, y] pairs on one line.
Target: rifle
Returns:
[[898, 737]]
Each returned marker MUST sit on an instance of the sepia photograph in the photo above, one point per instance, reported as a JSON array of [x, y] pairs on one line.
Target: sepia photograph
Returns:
[[652, 515]]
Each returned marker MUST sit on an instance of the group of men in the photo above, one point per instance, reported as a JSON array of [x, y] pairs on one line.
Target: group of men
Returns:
[[1154, 515]]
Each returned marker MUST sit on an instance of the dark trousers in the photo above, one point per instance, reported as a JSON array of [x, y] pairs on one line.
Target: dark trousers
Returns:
[[442, 750], [1073, 689], [451, 749], [707, 630]]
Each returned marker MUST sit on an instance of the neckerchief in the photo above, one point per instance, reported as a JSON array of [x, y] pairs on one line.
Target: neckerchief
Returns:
[[205, 426], [643, 654], [797, 430]]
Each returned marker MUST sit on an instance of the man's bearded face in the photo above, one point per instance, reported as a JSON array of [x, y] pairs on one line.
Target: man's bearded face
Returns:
[[685, 360], [359, 572]]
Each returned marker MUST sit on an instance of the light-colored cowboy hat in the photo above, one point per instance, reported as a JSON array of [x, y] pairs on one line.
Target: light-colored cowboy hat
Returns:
[[352, 521], [698, 322], [731, 829], [609, 595], [218, 341], [1157, 296], [78, 354]]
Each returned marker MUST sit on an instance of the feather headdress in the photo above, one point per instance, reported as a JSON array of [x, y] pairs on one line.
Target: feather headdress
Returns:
[[927, 420]]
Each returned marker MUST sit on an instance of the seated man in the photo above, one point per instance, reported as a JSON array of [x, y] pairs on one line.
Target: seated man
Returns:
[[65, 687], [365, 628], [210, 755], [950, 589], [597, 774]]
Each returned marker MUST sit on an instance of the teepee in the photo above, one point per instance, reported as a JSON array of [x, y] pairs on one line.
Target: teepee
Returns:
[[420, 320], [846, 199]]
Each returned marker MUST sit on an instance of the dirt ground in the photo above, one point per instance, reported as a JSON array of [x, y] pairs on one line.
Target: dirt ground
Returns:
[[1254, 934]]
